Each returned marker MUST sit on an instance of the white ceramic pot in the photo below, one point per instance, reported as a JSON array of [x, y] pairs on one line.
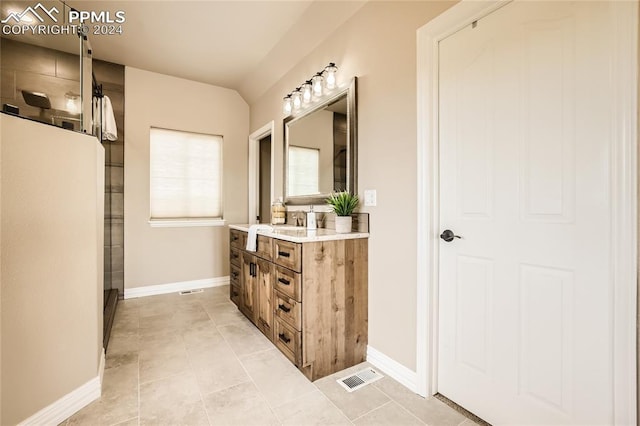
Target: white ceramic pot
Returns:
[[343, 224]]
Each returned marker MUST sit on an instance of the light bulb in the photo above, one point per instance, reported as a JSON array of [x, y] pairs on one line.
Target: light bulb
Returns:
[[71, 103], [286, 105], [297, 99], [317, 85], [306, 92], [330, 72]]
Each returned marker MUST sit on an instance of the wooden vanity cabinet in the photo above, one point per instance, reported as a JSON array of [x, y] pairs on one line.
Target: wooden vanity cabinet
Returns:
[[309, 299]]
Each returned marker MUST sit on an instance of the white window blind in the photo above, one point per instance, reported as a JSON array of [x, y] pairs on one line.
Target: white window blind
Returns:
[[304, 170], [186, 175]]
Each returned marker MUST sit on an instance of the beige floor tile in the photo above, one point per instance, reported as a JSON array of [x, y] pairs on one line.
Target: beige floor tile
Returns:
[[188, 414], [201, 335], [158, 339], [468, 422], [172, 400], [126, 326], [157, 322], [160, 363], [274, 375], [110, 409], [123, 345], [311, 409], [196, 359], [192, 319], [244, 339], [239, 405], [131, 422], [353, 404], [388, 414], [117, 360], [430, 411], [219, 374], [155, 309], [119, 379], [217, 296], [201, 357], [225, 313]]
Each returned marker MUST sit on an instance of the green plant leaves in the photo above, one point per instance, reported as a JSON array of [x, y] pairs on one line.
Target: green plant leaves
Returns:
[[343, 203]]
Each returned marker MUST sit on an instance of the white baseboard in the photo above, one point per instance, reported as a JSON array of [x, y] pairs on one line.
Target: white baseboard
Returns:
[[153, 290], [103, 360], [66, 406], [393, 369]]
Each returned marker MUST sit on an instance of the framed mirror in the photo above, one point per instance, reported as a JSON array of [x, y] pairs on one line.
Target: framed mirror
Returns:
[[320, 149]]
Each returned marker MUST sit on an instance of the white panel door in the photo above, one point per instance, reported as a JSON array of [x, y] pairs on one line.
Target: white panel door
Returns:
[[525, 297]]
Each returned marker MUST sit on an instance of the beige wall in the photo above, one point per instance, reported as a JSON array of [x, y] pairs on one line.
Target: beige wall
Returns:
[[168, 255], [51, 220], [378, 45]]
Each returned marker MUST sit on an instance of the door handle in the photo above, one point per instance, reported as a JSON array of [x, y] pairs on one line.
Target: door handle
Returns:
[[448, 235]]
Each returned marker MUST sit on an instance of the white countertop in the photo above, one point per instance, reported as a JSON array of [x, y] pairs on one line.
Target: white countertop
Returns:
[[300, 234]]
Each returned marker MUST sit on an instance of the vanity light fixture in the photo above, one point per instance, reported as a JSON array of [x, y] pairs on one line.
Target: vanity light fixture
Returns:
[[313, 89], [286, 105], [330, 71], [306, 92], [317, 85], [296, 97]]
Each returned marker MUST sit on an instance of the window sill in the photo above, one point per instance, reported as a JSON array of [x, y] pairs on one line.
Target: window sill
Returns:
[[185, 223]]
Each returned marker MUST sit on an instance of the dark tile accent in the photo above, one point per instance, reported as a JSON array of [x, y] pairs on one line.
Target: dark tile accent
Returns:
[[8, 86], [67, 66], [27, 57], [116, 178]]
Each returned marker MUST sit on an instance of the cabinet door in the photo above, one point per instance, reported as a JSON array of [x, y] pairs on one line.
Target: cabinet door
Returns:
[[249, 282], [265, 297]]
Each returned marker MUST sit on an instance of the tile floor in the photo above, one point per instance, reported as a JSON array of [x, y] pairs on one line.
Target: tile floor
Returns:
[[196, 360]]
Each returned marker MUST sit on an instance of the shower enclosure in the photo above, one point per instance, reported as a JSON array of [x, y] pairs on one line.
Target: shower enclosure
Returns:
[[53, 79]]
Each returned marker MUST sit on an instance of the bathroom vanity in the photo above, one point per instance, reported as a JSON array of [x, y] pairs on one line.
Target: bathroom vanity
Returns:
[[307, 292]]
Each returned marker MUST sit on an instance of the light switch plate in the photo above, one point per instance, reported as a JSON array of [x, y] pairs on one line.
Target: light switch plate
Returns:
[[370, 197]]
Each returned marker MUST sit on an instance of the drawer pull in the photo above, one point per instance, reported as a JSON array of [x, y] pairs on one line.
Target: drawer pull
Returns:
[[284, 338], [234, 238], [235, 274], [284, 254], [283, 281], [284, 308]]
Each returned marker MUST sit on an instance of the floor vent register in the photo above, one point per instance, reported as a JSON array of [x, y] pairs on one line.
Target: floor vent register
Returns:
[[361, 378]]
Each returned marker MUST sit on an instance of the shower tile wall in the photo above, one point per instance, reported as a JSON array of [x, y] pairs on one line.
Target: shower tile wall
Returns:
[[111, 76], [25, 66], [39, 69]]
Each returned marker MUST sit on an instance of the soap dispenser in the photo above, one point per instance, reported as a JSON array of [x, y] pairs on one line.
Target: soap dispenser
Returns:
[[311, 219]]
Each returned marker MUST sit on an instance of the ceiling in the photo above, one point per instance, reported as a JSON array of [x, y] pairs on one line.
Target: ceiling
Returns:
[[242, 45]]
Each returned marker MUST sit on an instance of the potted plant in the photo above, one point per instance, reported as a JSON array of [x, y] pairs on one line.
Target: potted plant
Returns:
[[343, 204]]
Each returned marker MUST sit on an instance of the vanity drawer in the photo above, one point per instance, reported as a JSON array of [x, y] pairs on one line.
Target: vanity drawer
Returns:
[[287, 254], [288, 310], [234, 275], [237, 238], [234, 256], [288, 283], [288, 341], [234, 294], [264, 247]]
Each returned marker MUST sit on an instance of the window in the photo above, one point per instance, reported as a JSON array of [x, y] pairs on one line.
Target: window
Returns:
[[304, 170], [186, 176]]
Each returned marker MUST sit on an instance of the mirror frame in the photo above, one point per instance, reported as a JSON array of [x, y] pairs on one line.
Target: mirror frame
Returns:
[[352, 152]]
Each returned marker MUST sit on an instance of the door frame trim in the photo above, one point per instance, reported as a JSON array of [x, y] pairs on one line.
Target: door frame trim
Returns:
[[254, 167], [624, 199]]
